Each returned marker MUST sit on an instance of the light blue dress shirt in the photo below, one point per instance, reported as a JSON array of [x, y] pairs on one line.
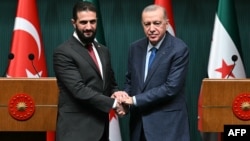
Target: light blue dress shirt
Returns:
[[147, 59]]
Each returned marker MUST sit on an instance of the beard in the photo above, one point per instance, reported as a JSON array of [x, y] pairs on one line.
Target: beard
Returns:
[[83, 38]]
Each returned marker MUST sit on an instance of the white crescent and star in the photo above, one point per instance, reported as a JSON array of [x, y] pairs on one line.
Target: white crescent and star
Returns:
[[27, 26]]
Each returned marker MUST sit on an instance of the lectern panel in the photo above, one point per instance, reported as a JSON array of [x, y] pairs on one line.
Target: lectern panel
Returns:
[[216, 98], [43, 91]]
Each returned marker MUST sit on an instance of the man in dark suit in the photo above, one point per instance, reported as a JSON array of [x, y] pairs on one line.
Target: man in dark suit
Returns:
[[158, 110], [85, 80]]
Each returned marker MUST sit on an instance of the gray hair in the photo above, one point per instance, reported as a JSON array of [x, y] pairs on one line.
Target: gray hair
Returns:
[[154, 7]]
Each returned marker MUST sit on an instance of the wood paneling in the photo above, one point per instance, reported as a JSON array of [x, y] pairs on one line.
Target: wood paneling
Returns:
[[218, 96], [43, 91]]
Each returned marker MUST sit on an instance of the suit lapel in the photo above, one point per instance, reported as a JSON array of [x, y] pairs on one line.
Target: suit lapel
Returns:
[[102, 58], [162, 52], [141, 57], [83, 52]]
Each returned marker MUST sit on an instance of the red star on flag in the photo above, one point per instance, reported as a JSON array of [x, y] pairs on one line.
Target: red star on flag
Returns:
[[114, 128], [225, 70], [112, 115]]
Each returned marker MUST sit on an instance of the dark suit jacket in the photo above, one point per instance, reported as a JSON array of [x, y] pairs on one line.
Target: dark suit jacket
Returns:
[[84, 99], [161, 107]]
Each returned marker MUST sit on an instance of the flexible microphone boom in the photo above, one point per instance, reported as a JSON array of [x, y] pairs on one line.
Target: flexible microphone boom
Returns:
[[10, 57], [234, 59], [31, 58]]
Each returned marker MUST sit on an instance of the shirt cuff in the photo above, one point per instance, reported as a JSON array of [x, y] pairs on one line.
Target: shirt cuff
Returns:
[[134, 100], [114, 105]]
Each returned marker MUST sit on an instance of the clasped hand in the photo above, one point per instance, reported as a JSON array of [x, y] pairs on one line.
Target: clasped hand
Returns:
[[123, 102]]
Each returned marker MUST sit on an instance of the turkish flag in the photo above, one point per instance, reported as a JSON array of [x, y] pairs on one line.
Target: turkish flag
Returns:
[[27, 47], [167, 4]]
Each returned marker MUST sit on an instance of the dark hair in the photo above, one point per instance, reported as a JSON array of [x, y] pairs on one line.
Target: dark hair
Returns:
[[83, 6]]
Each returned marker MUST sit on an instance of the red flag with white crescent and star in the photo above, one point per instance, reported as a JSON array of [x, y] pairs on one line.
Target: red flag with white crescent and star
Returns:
[[27, 47], [167, 4], [27, 42]]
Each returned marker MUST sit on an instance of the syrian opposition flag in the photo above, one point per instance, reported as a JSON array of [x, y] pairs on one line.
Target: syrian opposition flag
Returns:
[[167, 4], [224, 59], [27, 47], [114, 126]]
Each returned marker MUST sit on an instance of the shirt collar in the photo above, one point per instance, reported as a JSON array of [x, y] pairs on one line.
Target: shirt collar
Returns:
[[75, 35], [157, 45]]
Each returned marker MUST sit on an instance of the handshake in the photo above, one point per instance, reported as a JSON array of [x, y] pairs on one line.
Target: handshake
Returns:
[[123, 100]]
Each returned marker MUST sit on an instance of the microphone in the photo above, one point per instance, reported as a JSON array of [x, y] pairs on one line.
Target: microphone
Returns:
[[10, 57], [234, 59], [31, 58]]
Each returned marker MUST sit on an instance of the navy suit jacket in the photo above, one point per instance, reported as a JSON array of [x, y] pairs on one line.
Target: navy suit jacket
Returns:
[[161, 107], [84, 99]]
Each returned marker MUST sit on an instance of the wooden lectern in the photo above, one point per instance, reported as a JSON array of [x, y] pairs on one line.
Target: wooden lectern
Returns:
[[216, 99], [44, 92]]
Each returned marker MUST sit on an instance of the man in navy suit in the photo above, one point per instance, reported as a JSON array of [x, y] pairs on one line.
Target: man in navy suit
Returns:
[[158, 110], [86, 81]]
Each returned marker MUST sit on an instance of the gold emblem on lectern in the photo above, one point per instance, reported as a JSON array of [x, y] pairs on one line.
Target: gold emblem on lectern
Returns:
[[21, 106], [241, 106], [245, 106]]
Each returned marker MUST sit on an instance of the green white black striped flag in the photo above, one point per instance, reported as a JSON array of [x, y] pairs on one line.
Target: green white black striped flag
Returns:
[[224, 59]]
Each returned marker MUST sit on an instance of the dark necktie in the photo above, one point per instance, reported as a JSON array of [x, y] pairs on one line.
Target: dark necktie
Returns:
[[152, 56], [92, 54]]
